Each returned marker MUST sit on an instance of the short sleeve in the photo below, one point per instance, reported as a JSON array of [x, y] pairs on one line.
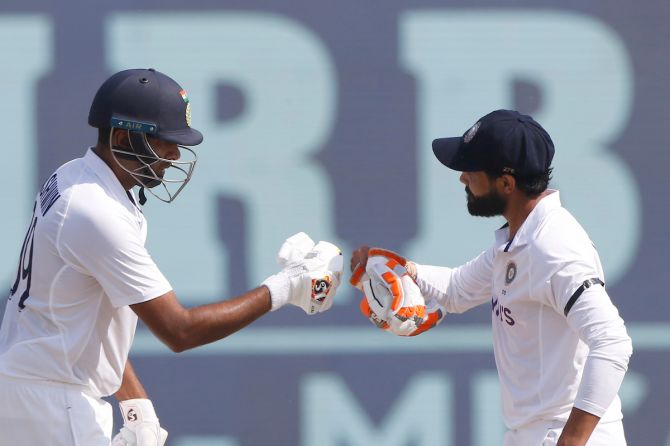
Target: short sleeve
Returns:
[[109, 246]]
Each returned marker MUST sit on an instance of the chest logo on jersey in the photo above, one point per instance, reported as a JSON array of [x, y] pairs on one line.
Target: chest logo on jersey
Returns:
[[510, 274], [501, 312]]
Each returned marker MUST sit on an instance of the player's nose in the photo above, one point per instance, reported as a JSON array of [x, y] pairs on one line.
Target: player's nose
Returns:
[[173, 153], [463, 178]]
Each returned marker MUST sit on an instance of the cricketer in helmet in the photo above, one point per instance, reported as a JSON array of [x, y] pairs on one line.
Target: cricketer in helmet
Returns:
[[144, 117]]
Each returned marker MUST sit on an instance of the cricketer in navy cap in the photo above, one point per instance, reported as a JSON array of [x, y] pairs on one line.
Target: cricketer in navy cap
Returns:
[[560, 345]]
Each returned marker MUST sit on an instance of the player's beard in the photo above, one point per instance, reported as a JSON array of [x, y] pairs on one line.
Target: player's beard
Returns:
[[149, 182], [143, 168], [489, 205], [151, 170]]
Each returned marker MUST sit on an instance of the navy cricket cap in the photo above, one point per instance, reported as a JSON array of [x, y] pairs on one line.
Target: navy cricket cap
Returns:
[[503, 141], [147, 101]]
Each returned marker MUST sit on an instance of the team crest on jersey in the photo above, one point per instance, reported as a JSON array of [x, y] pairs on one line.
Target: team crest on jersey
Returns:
[[471, 133], [510, 274]]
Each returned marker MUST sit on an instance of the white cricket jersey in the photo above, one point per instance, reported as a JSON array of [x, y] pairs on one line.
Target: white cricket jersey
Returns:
[[532, 281], [83, 262]]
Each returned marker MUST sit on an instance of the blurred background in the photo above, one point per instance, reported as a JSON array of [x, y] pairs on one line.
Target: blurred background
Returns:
[[318, 117]]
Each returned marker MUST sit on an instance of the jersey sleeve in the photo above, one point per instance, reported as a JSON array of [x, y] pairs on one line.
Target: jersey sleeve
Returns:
[[110, 248], [458, 289], [598, 324], [570, 279], [568, 268]]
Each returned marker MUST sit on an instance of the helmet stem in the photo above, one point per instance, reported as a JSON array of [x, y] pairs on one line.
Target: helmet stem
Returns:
[[143, 197]]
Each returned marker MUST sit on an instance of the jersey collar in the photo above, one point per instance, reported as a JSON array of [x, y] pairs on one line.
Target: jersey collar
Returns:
[[525, 233], [110, 182]]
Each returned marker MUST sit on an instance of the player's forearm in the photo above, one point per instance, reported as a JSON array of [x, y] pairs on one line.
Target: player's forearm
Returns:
[[210, 323], [181, 329], [433, 282], [131, 387], [445, 286], [578, 429]]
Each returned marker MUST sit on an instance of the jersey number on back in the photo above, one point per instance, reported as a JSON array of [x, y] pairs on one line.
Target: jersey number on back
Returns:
[[24, 270]]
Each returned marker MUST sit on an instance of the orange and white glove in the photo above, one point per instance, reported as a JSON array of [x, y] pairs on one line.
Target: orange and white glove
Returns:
[[392, 300]]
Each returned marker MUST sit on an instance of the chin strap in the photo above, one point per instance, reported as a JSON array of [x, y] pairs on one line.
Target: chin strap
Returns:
[[143, 197]]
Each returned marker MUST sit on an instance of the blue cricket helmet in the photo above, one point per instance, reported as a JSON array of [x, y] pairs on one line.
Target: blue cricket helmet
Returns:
[[146, 101]]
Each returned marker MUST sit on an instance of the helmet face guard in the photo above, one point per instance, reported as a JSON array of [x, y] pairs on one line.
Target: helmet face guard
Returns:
[[174, 178]]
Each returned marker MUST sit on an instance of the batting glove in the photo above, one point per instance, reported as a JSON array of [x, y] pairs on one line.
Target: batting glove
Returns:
[[140, 425], [309, 282], [294, 248], [392, 300]]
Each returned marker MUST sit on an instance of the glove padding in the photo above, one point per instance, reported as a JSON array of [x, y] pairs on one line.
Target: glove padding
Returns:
[[310, 276], [392, 300], [294, 248], [140, 425]]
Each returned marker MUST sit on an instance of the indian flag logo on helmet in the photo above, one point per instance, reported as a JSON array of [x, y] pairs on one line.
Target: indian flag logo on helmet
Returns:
[[184, 96]]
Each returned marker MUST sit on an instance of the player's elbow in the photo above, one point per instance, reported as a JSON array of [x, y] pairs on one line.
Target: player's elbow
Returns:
[[177, 347], [616, 348], [624, 348], [622, 353], [176, 338], [627, 349], [179, 342]]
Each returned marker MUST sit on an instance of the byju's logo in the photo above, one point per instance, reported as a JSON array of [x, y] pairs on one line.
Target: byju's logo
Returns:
[[501, 312]]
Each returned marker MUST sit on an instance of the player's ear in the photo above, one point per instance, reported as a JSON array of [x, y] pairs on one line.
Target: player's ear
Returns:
[[120, 138], [506, 183]]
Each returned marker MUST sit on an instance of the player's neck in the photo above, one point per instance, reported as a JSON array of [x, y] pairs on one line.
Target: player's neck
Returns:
[[126, 180], [518, 209]]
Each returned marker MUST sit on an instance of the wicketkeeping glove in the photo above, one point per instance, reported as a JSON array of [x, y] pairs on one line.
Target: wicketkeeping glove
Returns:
[[140, 425], [392, 300], [310, 281]]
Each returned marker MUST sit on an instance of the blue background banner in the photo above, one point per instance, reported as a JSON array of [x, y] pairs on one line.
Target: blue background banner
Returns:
[[318, 117]]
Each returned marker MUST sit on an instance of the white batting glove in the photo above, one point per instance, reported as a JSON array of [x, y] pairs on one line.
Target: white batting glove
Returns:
[[294, 248], [309, 282], [140, 425]]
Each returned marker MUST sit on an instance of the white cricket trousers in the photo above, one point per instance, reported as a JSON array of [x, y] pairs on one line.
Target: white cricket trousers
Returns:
[[42, 413], [546, 433]]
